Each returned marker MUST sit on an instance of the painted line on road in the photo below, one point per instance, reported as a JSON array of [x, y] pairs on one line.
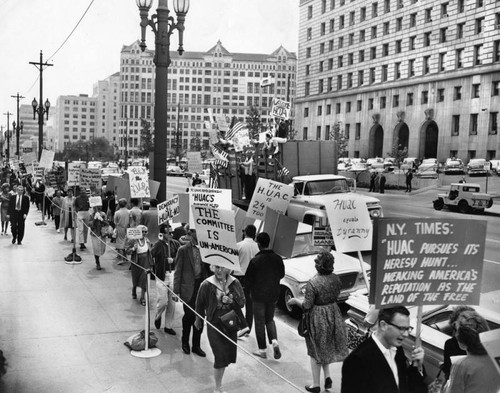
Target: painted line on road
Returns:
[[496, 263]]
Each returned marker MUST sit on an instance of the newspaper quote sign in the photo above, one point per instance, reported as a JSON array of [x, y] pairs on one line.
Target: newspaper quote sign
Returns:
[[281, 109], [90, 178], [168, 210], [427, 261], [216, 234], [134, 233], [47, 159], [322, 233], [271, 194], [139, 184], [216, 198], [350, 222], [95, 201], [74, 173]]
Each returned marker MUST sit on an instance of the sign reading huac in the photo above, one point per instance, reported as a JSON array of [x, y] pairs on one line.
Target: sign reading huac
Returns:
[[281, 109]]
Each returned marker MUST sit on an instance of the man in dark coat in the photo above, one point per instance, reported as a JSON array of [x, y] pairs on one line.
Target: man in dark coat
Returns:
[[379, 364], [190, 272], [19, 207], [262, 278]]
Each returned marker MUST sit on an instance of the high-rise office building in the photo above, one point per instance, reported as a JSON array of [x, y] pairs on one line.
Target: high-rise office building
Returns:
[[405, 73]]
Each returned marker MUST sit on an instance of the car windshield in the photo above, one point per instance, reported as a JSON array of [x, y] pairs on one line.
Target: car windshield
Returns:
[[329, 186], [304, 245]]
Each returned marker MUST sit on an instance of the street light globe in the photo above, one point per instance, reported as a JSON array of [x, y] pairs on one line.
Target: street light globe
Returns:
[[34, 103], [144, 3], [47, 104], [181, 6]]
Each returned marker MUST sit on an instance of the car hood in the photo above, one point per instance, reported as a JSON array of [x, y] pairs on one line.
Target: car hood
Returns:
[[322, 199], [303, 268]]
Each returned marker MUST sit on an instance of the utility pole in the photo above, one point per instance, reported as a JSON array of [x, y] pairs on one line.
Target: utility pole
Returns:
[[8, 136], [177, 135], [40, 110], [126, 143], [18, 126]]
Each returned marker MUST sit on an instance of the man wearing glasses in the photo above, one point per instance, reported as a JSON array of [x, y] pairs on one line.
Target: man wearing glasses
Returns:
[[379, 364]]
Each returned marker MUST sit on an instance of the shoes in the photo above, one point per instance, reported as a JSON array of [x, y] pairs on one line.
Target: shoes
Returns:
[[143, 302], [328, 383], [98, 266], [277, 352], [134, 296], [158, 323], [185, 349], [82, 246], [169, 331], [315, 389], [19, 243], [259, 354], [244, 332], [58, 231], [199, 352], [13, 240]]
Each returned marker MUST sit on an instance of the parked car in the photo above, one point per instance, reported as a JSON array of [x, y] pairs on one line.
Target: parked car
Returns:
[[466, 197], [454, 166], [435, 327], [428, 168], [495, 166], [344, 164], [300, 268], [174, 170], [375, 163], [409, 163], [94, 165], [109, 171], [477, 167], [389, 164]]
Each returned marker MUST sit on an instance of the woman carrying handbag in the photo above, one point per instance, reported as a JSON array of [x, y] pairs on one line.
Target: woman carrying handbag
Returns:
[[141, 256]]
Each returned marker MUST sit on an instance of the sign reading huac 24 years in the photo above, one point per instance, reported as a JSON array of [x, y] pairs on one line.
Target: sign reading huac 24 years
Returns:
[[427, 261]]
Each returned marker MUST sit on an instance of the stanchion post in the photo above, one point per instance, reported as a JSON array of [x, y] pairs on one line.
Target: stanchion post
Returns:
[[73, 258]]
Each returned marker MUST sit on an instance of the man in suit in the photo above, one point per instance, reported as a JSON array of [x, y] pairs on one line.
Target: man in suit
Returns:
[[190, 272], [379, 364], [19, 207]]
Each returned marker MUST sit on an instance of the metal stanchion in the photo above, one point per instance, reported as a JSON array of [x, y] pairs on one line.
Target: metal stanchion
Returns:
[[43, 211], [147, 352], [74, 258]]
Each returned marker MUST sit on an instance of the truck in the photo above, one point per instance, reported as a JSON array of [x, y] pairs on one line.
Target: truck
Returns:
[[466, 197]]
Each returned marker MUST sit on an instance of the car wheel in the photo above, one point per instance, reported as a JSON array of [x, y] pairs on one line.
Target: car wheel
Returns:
[[490, 203], [438, 204], [286, 295], [463, 206]]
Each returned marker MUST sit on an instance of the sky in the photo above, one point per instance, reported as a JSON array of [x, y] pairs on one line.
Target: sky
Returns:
[[92, 52]]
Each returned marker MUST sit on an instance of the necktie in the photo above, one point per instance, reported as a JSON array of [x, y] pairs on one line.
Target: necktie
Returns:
[[18, 206]]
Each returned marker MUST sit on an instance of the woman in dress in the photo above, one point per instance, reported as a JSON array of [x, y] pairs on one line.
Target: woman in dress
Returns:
[[215, 298], [67, 215], [476, 371], [143, 260], [122, 222], [4, 209], [327, 339], [98, 227], [57, 202]]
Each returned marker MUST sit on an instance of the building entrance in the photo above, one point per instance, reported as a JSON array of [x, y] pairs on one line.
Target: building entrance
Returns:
[[376, 141]]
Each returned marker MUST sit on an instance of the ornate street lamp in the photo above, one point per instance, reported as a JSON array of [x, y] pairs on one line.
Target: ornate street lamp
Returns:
[[163, 26], [19, 130], [40, 110]]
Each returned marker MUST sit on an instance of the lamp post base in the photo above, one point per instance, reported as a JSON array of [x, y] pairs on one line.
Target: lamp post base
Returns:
[[38, 223], [150, 353], [73, 258]]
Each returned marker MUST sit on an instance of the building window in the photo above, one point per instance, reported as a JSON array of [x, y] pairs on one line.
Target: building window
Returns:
[[332, 25], [479, 25], [362, 14], [339, 82], [479, 3], [477, 54], [309, 33], [361, 78], [330, 83], [323, 6], [337, 108], [409, 99], [373, 52], [348, 106], [308, 53], [397, 70], [413, 19], [425, 65], [496, 51], [397, 47], [347, 131], [330, 64], [322, 29], [383, 102], [307, 88], [457, 93], [304, 133], [361, 56], [395, 100], [341, 42], [441, 61], [309, 12], [459, 58], [411, 67], [351, 39], [357, 132], [370, 104], [399, 24], [497, 21], [475, 90], [411, 42], [427, 38], [461, 6], [440, 95], [495, 88], [350, 58], [455, 125], [460, 30], [306, 112], [386, 28], [374, 31], [361, 36], [493, 129], [308, 69], [428, 15], [349, 80], [444, 10], [329, 109], [442, 34], [384, 73], [340, 61], [372, 75], [374, 10], [318, 132], [320, 86], [352, 16], [322, 48], [341, 22], [385, 50], [327, 133], [425, 97], [473, 124], [359, 105]]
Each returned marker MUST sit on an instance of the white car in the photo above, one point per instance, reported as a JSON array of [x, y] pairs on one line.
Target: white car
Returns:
[[300, 268], [409, 163], [454, 166], [428, 168], [477, 166], [375, 163], [174, 170]]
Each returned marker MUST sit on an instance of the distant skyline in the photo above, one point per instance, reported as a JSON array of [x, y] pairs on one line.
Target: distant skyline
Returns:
[[92, 53]]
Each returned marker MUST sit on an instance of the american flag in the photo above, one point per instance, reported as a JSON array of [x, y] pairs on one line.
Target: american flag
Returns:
[[213, 181], [233, 131], [283, 172], [220, 157]]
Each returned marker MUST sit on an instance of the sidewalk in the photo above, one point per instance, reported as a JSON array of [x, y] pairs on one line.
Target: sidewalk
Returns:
[[62, 329]]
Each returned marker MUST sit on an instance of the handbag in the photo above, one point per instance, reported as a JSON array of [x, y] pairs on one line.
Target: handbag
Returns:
[[229, 321], [303, 327], [137, 341], [438, 385]]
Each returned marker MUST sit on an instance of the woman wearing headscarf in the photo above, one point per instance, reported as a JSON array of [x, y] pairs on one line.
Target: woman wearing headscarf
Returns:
[[98, 228], [327, 339], [217, 295], [143, 260], [476, 371]]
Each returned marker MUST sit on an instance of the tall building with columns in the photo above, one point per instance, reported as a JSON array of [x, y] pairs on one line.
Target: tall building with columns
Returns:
[[408, 73]]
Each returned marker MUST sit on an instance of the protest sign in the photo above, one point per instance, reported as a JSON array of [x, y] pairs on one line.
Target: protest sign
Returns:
[[216, 236], [222, 123], [350, 222], [95, 201], [281, 109], [46, 159], [184, 209], [282, 230], [427, 261], [240, 140], [134, 233], [29, 158], [139, 185], [38, 172], [322, 232], [168, 210], [269, 193], [74, 173], [213, 137], [90, 178], [216, 198], [194, 161]]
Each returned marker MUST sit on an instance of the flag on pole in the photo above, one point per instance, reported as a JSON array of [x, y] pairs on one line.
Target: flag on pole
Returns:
[[233, 131], [213, 182], [283, 172], [265, 82], [220, 157]]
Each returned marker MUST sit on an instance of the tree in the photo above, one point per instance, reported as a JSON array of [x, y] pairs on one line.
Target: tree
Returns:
[[337, 134], [195, 144], [399, 153], [254, 123], [96, 149], [147, 140]]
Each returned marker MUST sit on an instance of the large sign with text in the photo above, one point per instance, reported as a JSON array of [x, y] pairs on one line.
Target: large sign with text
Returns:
[[216, 198], [168, 209], [90, 178], [427, 261], [139, 185], [281, 109], [74, 173], [269, 193]]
